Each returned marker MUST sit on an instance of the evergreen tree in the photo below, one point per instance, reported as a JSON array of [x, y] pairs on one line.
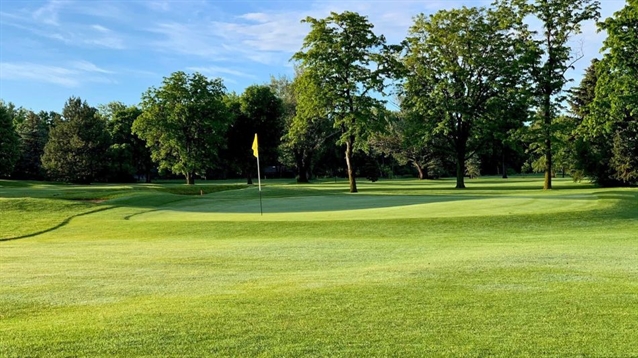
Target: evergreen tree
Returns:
[[34, 134], [9, 143], [77, 145]]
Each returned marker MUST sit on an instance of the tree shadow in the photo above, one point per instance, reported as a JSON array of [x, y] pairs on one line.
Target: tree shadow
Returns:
[[62, 224]]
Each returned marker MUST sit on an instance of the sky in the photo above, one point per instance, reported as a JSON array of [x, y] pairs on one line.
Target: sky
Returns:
[[114, 50]]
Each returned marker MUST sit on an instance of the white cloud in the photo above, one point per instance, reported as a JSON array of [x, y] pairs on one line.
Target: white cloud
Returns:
[[74, 75], [101, 29], [217, 71], [49, 13], [89, 67]]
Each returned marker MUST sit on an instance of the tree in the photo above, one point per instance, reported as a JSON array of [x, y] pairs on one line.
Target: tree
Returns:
[[613, 115], [551, 57], [402, 139], [34, 134], [77, 144], [257, 110], [9, 144], [462, 73], [184, 123], [128, 153], [306, 131], [351, 63]]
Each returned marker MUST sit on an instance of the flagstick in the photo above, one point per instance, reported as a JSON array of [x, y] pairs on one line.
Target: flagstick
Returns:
[[261, 209]]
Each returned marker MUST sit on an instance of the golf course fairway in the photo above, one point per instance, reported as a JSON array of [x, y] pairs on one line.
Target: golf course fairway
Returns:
[[402, 268]]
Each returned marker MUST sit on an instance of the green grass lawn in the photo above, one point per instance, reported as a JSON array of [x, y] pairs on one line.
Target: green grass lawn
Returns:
[[403, 268]]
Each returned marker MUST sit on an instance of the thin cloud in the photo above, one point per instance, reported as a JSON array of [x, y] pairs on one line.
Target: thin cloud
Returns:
[[217, 71], [100, 28], [49, 13], [87, 66], [197, 40], [74, 75]]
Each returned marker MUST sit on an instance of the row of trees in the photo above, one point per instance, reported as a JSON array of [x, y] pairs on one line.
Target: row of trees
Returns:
[[478, 90]]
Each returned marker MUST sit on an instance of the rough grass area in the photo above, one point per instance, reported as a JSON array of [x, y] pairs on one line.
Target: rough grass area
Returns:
[[403, 268]]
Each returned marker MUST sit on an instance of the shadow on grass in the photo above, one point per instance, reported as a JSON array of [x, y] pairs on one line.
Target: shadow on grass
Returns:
[[62, 224]]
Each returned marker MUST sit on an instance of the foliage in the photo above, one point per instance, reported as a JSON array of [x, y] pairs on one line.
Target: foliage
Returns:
[[614, 112], [184, 123], [473, 167], [462, 69], [77, 144], [9, 143], [403, 140], [349, 63], [34, 134], [308, 131], [257, 110], [128, 154]]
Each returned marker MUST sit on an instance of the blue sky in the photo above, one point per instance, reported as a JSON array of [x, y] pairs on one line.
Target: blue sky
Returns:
[[105, 51]]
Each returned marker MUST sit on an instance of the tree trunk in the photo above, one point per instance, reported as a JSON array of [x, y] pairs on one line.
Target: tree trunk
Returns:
[[503, 160], [302, 176], [351, 176], [420, 170], [460, 168], [190, 178], [147, 176], [249, 180], [547, 185]]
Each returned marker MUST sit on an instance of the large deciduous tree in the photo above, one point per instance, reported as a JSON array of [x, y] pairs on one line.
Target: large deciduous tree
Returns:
[[184, 123], [351, 63], [77, 144], [463, 69], [9, 144], [551, 57]]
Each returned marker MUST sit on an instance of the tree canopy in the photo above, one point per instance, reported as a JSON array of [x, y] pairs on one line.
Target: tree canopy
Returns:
[[461, 68], [184, 123]]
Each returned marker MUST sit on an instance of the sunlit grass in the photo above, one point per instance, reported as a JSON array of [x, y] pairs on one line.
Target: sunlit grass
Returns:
[[403, 268]]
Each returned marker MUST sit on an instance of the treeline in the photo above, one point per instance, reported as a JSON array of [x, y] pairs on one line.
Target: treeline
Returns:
[[476, 90]]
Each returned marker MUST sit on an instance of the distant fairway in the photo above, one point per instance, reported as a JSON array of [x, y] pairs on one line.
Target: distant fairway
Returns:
[[403, 268]]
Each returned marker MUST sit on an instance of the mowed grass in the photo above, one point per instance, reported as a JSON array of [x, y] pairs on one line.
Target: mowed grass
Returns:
[[403, 268]]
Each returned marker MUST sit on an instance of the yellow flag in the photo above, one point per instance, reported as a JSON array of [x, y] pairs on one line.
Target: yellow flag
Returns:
[[255, 147]]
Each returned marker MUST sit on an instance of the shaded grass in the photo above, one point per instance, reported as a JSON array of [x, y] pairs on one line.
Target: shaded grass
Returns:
[[540, 282]]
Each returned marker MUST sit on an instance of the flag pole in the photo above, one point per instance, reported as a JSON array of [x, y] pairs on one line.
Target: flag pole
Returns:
[[256, 154], [261, 209]]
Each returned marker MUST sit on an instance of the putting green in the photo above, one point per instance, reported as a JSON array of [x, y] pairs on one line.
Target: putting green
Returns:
[[362, 207]]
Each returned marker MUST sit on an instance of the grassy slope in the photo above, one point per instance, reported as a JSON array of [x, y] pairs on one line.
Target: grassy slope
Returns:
[[402, 268]]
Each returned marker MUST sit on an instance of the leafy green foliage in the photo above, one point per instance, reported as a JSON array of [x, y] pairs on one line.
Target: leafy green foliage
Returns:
[[349, 63], [308, 131], [128, 153], [184, 123], [403, 140], [9, 144], [614, 112], [257, 110], [77, 144]]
